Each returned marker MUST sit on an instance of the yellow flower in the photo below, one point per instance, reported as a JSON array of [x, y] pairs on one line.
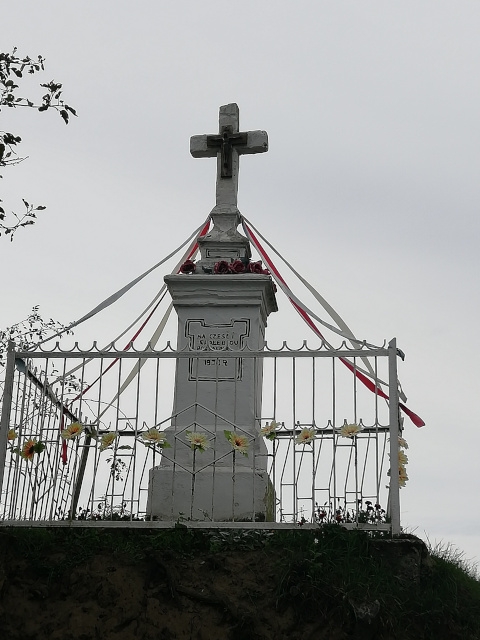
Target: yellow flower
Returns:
[[12, 434], [198, 440], [402, 476], [269, 429], [306, 436], [107, 440], [402, 459], [155, 437], [152, 435], [28, 449], [402, 443], [72, 431], [350, 430], [238, 442]]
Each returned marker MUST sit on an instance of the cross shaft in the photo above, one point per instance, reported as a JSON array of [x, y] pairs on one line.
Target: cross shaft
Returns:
[[227, 146]]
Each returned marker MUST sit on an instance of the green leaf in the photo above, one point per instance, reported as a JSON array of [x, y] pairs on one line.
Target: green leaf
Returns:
[[228, 434], [39, 447]]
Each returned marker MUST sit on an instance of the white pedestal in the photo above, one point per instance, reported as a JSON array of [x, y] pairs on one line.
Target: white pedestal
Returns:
[[214, 393]]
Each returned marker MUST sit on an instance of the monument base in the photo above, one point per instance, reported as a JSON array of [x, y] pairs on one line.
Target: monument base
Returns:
[[215, 495]]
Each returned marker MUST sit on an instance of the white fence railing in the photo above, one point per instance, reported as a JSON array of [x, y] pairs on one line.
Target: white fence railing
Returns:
[[52, 470]]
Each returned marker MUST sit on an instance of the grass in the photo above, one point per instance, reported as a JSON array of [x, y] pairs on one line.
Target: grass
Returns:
[[452, 555], [339, 576], [345, 574]]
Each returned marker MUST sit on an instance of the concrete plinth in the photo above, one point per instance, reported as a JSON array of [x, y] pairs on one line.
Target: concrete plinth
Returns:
[[218, 494], [217, 314]]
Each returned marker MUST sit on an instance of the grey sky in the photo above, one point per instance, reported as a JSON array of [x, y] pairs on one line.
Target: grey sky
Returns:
[[370, 186]]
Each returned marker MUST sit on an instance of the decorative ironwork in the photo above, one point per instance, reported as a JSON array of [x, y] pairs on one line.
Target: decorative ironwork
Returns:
[[98, 471]]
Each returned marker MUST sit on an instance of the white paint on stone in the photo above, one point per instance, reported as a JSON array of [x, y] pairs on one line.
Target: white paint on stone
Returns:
[[256, 142], [215, 392]]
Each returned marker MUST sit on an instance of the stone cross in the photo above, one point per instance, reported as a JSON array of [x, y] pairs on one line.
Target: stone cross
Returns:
[[227, 145]]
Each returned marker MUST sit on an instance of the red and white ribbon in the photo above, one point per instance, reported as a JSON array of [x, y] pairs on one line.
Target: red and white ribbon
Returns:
[[191, 251], [306, 316]]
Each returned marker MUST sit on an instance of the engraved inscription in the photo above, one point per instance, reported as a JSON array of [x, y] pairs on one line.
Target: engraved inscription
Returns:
[[216, 337], [216, 341], [223, 254]]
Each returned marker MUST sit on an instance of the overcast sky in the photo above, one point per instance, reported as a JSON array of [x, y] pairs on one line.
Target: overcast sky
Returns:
[[370, 186]]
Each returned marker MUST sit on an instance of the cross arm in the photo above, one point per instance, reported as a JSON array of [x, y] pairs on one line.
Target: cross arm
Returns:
[[199, 148], [257, 142]]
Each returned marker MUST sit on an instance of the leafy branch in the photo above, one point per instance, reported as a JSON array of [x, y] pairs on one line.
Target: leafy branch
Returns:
[[28, 332], [12, 69], [22, 220]]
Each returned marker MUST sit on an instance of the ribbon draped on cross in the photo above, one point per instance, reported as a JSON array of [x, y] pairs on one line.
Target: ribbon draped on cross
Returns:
[[191, 251], [365, 376], [306, 316]]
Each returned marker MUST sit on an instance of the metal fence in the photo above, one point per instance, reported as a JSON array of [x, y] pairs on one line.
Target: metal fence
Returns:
[[81, 431]]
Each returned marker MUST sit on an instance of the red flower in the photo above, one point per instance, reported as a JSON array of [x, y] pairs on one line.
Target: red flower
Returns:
[[237, 267], [255, 267], [188, 267], [221, 267]]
